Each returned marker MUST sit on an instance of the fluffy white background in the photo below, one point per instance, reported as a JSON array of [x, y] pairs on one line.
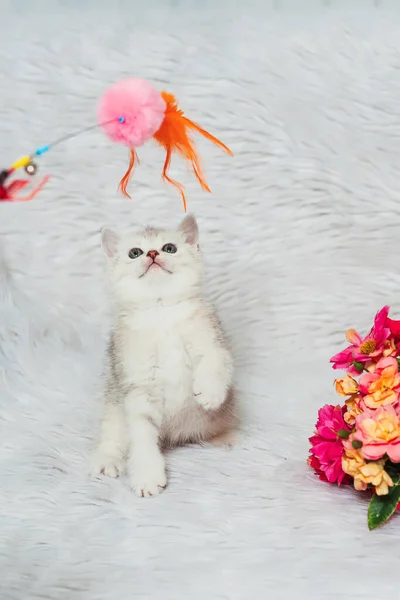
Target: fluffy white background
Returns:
[[301, 239]]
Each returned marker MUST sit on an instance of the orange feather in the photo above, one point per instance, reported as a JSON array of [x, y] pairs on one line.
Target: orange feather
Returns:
[[173, 135], [123, 184]]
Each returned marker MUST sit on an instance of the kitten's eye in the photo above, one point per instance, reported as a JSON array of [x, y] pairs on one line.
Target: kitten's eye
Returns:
[[170, 248], [135, 253]]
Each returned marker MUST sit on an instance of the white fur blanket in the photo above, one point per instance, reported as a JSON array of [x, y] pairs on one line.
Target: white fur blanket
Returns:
[[301, 238]]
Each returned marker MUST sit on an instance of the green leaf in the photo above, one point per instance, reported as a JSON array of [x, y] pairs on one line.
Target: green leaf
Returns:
[[356, 444], [343, 433], [381, 508], [398, 361], [359, 367]]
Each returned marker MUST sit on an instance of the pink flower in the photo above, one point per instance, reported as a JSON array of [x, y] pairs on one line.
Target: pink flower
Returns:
[[326, 445], [362, 350], [379, 432], [383, 385]]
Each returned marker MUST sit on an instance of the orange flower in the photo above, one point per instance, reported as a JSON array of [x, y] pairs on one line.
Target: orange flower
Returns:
[[352, 461], [381, 387], [364, 474], [379, 432], [353, 409], [347, 386], [373, 473]]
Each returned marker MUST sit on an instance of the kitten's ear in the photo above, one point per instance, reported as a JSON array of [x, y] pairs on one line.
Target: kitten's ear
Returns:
[[190, 230], [109, 242]]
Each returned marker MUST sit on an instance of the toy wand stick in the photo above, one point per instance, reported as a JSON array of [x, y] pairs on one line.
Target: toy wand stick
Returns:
[[8, 192]]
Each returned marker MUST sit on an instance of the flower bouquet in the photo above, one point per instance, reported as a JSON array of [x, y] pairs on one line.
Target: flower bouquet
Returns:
[[359, 442]]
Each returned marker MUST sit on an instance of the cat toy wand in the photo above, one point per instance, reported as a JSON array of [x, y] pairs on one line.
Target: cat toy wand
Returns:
[[8, 192], [130, 112]]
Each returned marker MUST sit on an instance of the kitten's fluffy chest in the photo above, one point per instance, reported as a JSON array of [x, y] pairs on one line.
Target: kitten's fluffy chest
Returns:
[[156, 342]]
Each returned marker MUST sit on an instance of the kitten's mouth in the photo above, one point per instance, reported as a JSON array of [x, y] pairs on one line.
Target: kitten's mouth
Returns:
[[156, 266]]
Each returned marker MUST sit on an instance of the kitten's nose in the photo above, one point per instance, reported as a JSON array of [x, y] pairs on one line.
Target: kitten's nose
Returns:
[[153, 254]]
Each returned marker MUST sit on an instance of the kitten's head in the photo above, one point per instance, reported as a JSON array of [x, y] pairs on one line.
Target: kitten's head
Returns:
[[155, 264]]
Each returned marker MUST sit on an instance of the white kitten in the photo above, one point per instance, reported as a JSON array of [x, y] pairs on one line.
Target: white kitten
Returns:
[[169, 371]]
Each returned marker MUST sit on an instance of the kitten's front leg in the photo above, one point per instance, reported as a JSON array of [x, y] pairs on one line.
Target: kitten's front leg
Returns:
[[146, 464], [109, 456], [212, 378]]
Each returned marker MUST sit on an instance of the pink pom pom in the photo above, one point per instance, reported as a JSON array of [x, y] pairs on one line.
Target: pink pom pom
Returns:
[[137, 109]]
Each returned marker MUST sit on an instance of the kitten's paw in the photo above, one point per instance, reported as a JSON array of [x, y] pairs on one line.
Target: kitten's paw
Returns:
[[209, 401], [104, 463], [208, 390], [148, 481]]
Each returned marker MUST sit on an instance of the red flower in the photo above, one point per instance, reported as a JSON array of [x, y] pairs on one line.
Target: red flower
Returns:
[[327, 446], [394, 327], [314, 463]]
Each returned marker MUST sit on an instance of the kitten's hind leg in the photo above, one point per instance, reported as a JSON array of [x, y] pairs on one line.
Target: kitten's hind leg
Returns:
[[194, 425], [226, 439], [109, 456]]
